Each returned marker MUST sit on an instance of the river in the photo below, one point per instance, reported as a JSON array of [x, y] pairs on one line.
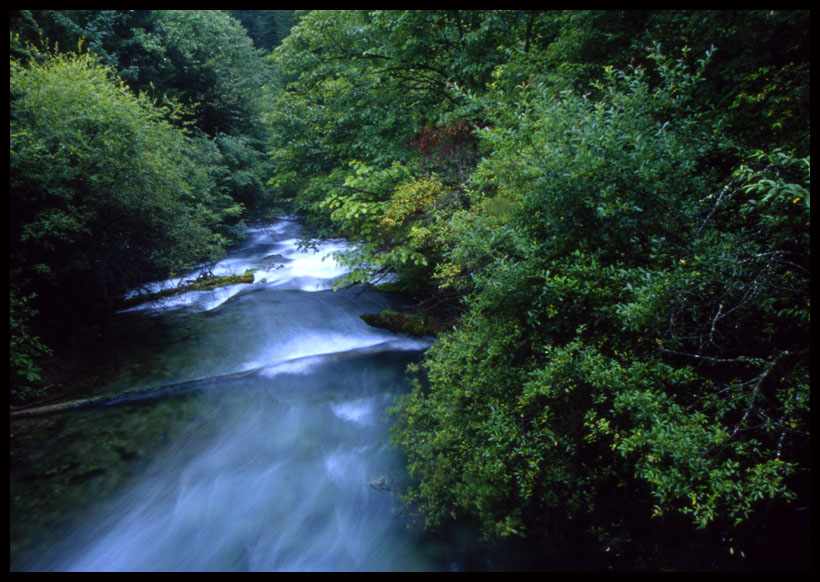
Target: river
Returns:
[[243, 429]]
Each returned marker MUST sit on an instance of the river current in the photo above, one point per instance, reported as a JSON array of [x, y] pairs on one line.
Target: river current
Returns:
[[245, 430]]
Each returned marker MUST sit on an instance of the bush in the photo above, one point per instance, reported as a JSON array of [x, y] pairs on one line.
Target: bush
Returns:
[[105, 192], [636, 344]]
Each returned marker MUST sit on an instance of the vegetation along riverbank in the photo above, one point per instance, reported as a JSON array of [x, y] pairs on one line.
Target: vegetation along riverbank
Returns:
[[604, 217]]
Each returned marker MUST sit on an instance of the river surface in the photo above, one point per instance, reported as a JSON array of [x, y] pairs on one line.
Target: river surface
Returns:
[[246, 430]]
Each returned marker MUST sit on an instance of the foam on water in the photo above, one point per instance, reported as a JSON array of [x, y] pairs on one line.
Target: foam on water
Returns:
[[360, 411], [276, 261]]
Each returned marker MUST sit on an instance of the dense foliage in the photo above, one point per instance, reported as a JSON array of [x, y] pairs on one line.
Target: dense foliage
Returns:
[[607, 211], [636, 339], [618, 205]]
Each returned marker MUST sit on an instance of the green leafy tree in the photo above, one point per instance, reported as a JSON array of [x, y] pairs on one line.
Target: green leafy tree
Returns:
[[359, 87], [25, 349], [105, 191], [267, 28], [337, 107], [620, 370], [759, 75], [201, 59], [212, 66], [369, 118]]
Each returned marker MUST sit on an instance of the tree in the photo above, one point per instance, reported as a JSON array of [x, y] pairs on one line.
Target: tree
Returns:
[[620, 372], [201, 59], [105, 191], [267, 28], [363, 94]]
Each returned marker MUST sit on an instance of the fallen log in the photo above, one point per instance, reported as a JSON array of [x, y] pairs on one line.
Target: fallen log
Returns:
[[201, 284]]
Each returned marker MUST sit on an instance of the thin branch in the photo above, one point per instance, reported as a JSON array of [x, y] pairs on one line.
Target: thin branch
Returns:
[[758, 382], [359, 190], [712, 359], [723, 191]]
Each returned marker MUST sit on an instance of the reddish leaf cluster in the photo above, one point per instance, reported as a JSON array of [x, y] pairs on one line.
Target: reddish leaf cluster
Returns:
[[446, 142]]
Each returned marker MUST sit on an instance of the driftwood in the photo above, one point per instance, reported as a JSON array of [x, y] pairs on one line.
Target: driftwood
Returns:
[[43, 409], [127, 397]]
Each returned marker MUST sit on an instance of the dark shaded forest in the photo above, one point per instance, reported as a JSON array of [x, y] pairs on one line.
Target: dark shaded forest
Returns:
[[603, 216]]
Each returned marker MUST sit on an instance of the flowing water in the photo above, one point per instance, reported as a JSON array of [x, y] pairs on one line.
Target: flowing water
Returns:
[[246, 429]]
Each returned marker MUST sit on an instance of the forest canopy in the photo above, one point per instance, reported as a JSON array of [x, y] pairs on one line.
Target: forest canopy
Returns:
[[605, 213]]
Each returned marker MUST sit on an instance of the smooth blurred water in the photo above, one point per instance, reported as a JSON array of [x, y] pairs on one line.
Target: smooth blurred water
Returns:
[[256, 438]]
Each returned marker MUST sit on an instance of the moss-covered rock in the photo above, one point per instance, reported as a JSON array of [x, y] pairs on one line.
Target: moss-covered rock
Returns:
[[415, 324]]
